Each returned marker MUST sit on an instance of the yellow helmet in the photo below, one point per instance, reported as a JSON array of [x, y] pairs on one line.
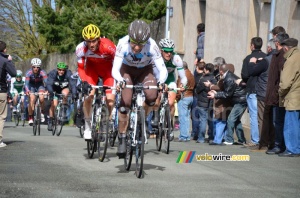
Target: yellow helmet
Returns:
[[90, 32]]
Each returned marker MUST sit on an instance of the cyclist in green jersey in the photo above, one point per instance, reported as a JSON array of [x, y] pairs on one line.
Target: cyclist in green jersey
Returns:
[[173, 62], [17, 87]]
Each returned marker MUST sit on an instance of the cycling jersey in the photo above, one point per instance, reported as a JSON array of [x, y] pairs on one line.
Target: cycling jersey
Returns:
[[174, 63], [149, 55], [99, 64], [56, 83], [35, 82], [17, 86]]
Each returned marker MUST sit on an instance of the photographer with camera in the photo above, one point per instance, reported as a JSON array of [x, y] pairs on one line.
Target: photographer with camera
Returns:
[[6, 67]]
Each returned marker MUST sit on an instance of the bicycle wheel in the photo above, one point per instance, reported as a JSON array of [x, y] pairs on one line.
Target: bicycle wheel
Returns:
[[16, 118], [92, 144], [55, 121], [34, 121], [129, 152], [81, 130], [103, 133], [160, 132], [139, 149], [38, 120], [22, 117], [167, 129], [60, 120]]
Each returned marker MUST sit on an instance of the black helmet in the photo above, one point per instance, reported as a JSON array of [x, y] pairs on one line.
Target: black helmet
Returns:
[[139, 31]]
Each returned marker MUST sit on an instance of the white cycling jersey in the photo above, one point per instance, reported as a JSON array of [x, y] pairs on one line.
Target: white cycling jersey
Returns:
[[149, 55]]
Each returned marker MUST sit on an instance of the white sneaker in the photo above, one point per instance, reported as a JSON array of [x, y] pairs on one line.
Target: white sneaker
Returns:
[[87, 134], [42, 118], [228, 143], [30, 122], [2, 144]]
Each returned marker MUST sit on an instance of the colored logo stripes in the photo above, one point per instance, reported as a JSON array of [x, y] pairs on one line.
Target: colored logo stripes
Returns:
[[185, 156]]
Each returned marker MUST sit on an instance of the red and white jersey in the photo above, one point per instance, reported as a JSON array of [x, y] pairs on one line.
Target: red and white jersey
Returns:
[[98, 61]]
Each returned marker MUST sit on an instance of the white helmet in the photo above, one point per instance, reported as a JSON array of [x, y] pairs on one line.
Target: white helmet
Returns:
[[19, 73], [166, 43], [36, 62]]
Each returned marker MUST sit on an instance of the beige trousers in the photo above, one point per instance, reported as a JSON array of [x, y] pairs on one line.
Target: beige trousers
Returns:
[[3, 112]]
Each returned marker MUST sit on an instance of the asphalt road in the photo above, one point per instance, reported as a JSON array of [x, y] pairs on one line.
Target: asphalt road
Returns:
[[51, 166]]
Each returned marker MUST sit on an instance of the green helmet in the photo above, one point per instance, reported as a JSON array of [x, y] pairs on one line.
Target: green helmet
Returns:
[[62, 65]]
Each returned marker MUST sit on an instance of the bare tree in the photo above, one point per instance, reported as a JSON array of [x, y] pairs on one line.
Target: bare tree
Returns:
[[18, 18]]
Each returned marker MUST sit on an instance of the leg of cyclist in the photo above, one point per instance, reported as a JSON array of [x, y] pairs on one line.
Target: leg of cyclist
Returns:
[[51, 112], [32, 98], [65, 92], [87, 110], [41, 89], [15, 100]]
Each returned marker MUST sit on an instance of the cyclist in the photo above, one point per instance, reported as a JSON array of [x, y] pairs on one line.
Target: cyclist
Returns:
[[60, 82], [35, 81], [17, 87], [136, 52], [172, 62], [94, 59]]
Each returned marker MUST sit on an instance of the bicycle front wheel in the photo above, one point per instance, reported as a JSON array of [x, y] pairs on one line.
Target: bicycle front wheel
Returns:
[[16, 118], [129, 152], [61, 120], [159, 135], [92, 144], [103, 133], [166, 126], [139, 149], [35, 120]]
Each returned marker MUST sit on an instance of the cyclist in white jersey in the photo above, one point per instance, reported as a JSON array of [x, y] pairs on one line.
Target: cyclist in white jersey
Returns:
[[133, 61]]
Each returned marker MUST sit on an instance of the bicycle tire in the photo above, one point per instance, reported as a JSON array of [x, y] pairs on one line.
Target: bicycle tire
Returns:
[[167, 129], [159, 134], [103, 133], [60, 120], [114, 132], [139, 149], [55, 121], [23, 117], [16, 118], [39, 120], [92, 144], [129, 152], [34, 128], [81, 130]]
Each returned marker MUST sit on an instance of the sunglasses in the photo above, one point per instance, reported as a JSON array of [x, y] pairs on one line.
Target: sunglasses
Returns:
[[168, 52], [137, 43], [35, 67], [60, 70]]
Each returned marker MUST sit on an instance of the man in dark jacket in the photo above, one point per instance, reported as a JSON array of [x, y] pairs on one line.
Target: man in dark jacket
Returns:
[[251, 80], [237, 95], [272, 97], [6, 67], [260, 68], [205, 104]]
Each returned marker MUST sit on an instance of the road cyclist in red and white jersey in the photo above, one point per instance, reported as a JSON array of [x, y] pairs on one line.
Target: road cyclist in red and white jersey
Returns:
[[35, 81], [94, 59], [135, 54]]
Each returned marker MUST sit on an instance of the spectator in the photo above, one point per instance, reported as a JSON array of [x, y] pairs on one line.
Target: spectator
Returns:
[[255, 46], [260, 68], [237, 95], [289, 92], [204, 103], [200, 42], [195, 114], [6, 67], [185, 101], [272, 97], [218, 61], [222, 109]]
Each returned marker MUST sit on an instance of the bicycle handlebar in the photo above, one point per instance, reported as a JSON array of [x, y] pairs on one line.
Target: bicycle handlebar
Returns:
[[103, 86], [143, 86]]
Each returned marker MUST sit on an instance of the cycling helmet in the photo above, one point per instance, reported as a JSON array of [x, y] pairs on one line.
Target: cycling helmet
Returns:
[[36, 62], [139, 31], [62, 65], [167, 44], [19, 73], [90, 32]]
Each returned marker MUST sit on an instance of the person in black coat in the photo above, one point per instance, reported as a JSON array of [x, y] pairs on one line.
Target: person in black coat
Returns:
[[204, 103], [6, 67], [237, 95]]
